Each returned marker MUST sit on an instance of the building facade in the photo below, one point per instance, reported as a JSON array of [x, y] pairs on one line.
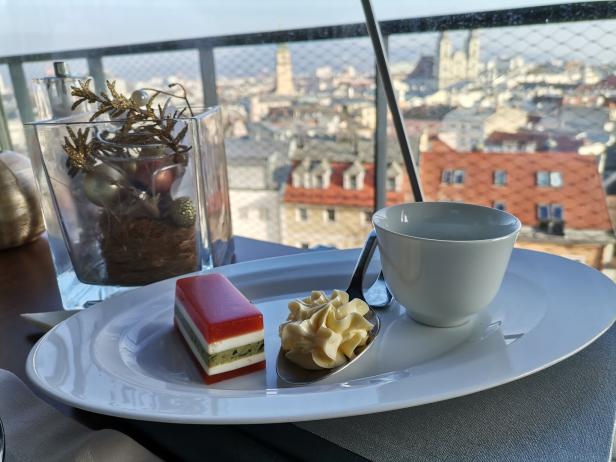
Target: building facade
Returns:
[[329, 196], [558, 196], [467, 129], [256, 170]]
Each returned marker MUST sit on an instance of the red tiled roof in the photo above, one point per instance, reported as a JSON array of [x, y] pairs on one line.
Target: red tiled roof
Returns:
[[336, 195], [581, 195]]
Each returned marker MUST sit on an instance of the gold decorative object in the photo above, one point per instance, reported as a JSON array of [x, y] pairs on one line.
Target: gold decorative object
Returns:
[[128, 169], [20, 211], [134, 191], [183, 212]]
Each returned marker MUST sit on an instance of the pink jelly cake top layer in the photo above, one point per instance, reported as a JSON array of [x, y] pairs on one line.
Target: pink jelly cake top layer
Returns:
[[217, 307]]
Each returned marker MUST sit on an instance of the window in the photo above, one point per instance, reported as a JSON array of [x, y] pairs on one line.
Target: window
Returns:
[[447, 176], [318, 181], [330, 214], [543, 178], [304, 245], [543, 212], [556, 179], [557, 212], [302, 214], [264, 214], [353, 182], [552, 179], [499, 205], [459, 176], [500, 177], [391, 183]]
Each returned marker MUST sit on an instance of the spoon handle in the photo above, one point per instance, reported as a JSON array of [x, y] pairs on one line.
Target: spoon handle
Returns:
[[355, 289]]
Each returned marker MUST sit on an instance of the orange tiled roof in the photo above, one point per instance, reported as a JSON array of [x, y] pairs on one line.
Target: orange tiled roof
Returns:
[[336, 195], [581, 195]]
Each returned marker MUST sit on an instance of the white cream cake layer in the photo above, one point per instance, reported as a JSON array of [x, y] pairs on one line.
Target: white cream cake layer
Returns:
[[221, 345], [230, 366]]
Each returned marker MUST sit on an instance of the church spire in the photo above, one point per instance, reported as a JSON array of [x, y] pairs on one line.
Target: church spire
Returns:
[[472, 55]]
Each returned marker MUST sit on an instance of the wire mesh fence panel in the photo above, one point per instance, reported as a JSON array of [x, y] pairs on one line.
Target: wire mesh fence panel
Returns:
[[520, 119], [517, 118], [299, 121], [11, 111], [156, 70], [32, 70]]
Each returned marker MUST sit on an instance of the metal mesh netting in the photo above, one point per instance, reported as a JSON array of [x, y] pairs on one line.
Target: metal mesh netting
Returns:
[[288, 105], [156, 70], [300, 121], [520, 119]]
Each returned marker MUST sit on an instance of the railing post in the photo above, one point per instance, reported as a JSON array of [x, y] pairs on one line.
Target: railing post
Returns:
[[208, 75], [380, 139], [24, 103], [20, 89], [5, 136], [96, 71]]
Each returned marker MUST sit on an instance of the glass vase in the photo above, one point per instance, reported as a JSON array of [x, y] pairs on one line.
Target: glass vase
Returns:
[[134, 213]]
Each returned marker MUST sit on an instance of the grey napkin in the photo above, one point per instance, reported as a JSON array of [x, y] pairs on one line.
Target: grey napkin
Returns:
[[37, 432], [564, 413]]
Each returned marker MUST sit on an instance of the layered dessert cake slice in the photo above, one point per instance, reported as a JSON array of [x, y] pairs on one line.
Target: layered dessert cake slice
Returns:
[[221, 327]]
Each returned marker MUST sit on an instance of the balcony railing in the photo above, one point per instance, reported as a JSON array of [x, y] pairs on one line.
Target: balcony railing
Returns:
[[517, 63]]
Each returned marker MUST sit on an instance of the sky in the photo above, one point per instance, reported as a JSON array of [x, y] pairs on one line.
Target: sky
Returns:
[[31, 26]]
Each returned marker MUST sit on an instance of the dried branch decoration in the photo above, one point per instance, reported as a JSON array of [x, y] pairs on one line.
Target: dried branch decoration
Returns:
[[79, 151], [142, 124]]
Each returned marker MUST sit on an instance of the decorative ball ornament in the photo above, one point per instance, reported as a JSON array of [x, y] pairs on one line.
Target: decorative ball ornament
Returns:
[[104, 185], [20, 211], [182, 212], [153, 175], [140, 97]]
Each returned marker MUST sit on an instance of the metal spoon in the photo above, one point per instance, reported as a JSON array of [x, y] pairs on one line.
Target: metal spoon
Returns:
[[2, 441], [292, 374]]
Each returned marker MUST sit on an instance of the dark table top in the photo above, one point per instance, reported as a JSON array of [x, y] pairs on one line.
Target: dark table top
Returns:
[[28, 285], [565, 412]]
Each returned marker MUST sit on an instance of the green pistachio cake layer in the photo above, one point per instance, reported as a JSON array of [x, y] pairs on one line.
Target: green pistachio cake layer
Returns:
[[223, 357]]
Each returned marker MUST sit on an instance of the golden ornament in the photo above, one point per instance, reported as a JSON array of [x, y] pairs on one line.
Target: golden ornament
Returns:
[[20, 211], [104, 185], [182, 212]]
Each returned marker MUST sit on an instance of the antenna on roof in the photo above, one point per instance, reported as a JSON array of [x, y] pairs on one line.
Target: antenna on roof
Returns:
[[383, 67]]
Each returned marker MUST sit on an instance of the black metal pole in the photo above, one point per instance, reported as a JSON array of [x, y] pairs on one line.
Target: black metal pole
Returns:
[[382, 65]]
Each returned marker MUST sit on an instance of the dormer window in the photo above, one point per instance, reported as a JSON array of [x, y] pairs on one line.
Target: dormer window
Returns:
[[450, 176], [394, 177], [353, 177], [500, 177], [321, 173], [301, 174], [459, 176], [549, 179]]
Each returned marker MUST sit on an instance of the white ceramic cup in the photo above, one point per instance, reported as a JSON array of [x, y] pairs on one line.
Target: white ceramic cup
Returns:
[[444, 261]]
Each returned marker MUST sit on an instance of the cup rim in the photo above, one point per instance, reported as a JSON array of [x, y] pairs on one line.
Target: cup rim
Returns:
[[380, 214]]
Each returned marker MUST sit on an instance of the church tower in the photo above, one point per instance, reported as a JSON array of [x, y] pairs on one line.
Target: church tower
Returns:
[[284, 71], [472, 56], [443, 61]]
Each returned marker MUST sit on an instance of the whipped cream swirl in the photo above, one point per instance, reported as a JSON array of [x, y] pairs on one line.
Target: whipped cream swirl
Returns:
[[323, 332]]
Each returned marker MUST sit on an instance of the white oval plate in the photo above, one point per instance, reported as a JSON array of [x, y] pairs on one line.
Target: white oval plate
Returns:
[[123, 357]]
